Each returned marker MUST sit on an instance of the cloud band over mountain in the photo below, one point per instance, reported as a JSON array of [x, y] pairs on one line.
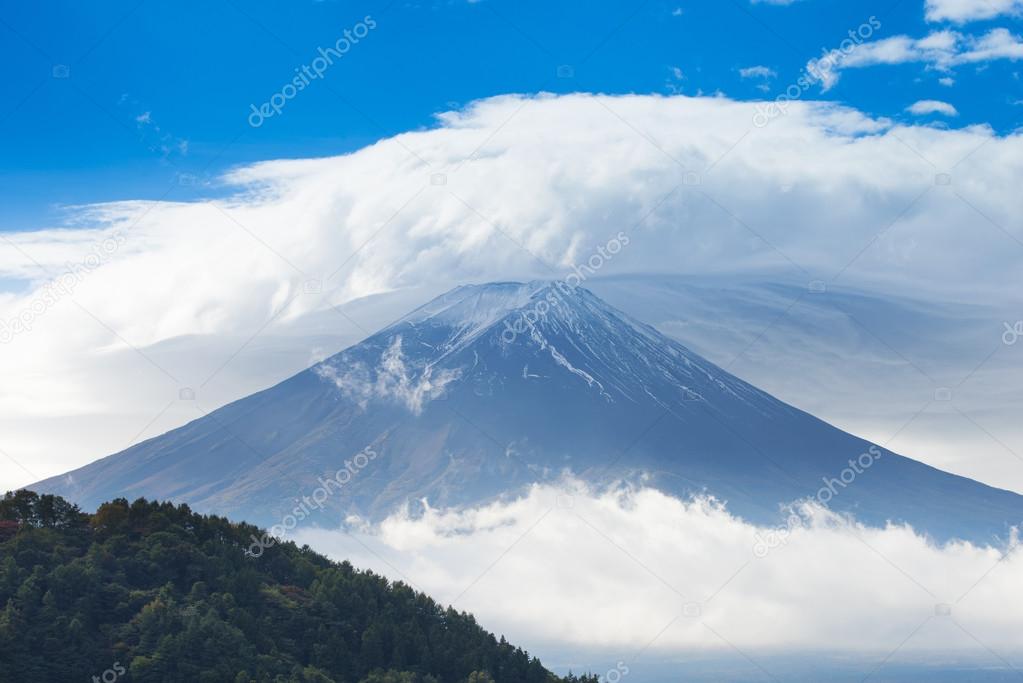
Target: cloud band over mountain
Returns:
[[691, 181]]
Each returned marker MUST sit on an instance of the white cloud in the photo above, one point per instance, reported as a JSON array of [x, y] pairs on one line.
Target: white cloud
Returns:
[[998, 43], [549, 178], [391, 380], [961, 11], [940, 50], [924, 107], [673, 84], [947, 81], [626, 569], [758, 71]]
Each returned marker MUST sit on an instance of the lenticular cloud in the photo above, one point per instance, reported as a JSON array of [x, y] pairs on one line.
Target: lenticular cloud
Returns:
[[692, 181], [821, 192]]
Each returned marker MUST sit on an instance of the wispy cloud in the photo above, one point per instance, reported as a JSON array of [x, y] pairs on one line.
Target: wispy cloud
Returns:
[[940, 50], [924, 107], [757, 72], [761, 73], [961, 11], [391, 380]]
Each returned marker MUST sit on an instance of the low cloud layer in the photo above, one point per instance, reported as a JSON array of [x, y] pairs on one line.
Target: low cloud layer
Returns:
[[636, 571]]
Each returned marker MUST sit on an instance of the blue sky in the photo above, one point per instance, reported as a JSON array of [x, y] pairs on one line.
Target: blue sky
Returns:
[[156, 95]]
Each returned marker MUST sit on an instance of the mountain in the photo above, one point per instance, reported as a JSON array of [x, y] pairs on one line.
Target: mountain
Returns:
[[159, 593], [489, 388]]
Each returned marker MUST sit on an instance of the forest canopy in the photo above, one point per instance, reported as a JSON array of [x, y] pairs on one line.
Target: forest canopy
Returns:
[[155, 592]]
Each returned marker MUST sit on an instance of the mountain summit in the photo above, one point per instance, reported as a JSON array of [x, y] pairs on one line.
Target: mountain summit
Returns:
[[489, 388]]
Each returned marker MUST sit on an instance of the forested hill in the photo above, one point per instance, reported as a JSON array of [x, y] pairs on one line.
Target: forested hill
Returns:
[[154, 592]]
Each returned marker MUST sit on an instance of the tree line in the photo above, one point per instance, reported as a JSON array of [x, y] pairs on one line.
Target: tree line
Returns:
[[155, 592]]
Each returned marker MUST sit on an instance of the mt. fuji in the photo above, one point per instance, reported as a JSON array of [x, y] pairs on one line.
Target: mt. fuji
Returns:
[[490, 388]]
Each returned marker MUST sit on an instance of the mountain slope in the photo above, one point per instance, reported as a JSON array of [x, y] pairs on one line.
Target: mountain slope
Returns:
[[489, 388], [160, 593]]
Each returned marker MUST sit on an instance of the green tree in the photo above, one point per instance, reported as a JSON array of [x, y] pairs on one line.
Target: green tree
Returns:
[[171, 596]]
